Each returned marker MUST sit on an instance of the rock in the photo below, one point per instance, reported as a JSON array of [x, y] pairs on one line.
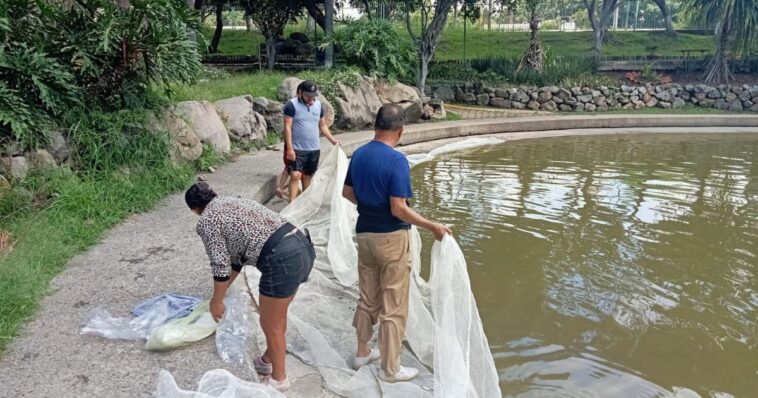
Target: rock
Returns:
[[522, 96], [491, 95], [533, 105], [634, 98], [642, 90], [664, 104], [586, 98], [241, 121], [721, 104], [601, 101], [272, 113], [586, 90], [707, 103], [626, 89], [445, 93], [358, 105], [518, 105], [544, 96], [714, 94], [700, 96], [500, 102], [628, 105], [301, 37], [564, 94], [580, 106], [735, 106], [436, 102], [183, 142], [12, 148], [590, 107], [570, 101], [602, 108], [754, 108], [678, 103], [595, 93], [499, 92], [58, 147], [557, 100], [747, 104], [533, 95], [745, 95], [730, 97], [41, 159], [427, 112], [206, 123], [469, 98], [652, 102], [753, 91], [16, 167], [394, 93], [482, 99], [754, 100], [736, 90], [413, 111], [576, 91], [548, 106], [565, 108], [664, 96], [685, 95]]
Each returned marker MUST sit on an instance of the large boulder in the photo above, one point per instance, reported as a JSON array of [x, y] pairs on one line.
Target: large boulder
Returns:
[[405, 96], [57, 147], [413, 111], [358, 105], [15, 167], [40, 159], [184, 145], [271, 111], [206, 123], [241, 121], [445, 93], [288, 90]]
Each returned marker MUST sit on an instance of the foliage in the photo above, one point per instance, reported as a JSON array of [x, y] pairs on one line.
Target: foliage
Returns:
[[375, 46], [328, 83], [271, 16], [648, 73], [59, 58]]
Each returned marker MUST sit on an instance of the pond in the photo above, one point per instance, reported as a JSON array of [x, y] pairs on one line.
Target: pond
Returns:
[[620, 266]]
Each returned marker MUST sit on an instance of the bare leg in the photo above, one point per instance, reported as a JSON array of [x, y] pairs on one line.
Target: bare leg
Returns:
[[306, 181], [274, 325], [280, 189], [295, 177]]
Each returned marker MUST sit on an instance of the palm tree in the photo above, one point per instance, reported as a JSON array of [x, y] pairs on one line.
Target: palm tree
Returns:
[[736, 22]]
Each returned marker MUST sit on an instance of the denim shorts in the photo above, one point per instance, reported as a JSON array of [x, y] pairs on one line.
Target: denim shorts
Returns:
[[286, 265]]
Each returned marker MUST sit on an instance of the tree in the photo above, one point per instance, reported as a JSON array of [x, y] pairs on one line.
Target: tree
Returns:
[[218, 6], [329, 29], [271, 16], [666, 13], [534, 56], [600, 13], [736, 22]]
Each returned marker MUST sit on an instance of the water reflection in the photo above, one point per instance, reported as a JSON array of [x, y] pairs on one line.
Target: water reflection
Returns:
[[610, 266]]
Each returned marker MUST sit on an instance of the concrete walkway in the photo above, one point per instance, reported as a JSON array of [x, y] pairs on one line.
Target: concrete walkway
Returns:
[[158, 252]]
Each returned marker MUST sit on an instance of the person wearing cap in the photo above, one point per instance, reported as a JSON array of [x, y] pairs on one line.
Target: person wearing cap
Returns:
[[378, 181], [237, 232], [304, 122]]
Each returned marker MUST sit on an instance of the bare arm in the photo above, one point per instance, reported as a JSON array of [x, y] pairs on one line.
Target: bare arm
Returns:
[[324, 129], [400, 209], [288, 138], [349, 194]]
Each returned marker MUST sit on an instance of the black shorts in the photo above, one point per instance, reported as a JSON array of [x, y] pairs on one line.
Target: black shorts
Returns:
[[305, 162], [286, 265]]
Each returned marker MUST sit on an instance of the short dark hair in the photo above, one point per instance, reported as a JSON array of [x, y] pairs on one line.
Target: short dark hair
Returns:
[[199, 195], [389, 118]]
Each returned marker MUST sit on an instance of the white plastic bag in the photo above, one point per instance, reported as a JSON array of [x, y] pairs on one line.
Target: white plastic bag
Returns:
[[216, 383], [101, 323], [232, 332], [182, 331]]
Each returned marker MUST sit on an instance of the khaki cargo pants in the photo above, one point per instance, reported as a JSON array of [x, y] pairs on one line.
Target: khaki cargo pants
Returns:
[[384, 269]]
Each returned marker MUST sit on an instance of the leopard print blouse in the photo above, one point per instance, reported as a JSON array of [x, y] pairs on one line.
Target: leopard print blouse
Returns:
[[234, 231]]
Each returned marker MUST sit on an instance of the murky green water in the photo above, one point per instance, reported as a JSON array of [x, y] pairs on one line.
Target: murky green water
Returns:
[[609, 267]]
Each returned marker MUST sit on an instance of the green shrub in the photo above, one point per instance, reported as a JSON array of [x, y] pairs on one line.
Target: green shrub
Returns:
[[58, 59], [377, 48]]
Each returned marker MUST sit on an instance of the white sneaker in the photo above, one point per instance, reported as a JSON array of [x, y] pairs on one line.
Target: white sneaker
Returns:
[[403, 374], [262, 367], [278, 385], [372, 356]]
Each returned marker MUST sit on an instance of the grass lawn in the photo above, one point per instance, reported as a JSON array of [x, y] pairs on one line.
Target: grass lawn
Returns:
[[483, 44], [257, 84]]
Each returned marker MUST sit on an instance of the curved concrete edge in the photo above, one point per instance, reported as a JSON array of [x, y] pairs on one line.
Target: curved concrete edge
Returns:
[[425, 132]]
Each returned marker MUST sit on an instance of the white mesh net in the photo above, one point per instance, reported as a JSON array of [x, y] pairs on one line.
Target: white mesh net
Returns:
[[444, 332]]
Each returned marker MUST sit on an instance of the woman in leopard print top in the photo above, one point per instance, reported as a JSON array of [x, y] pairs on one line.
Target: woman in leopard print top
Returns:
[[236, 232]]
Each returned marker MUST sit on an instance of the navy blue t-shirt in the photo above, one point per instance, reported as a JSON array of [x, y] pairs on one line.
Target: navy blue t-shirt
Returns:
[[376, 172]]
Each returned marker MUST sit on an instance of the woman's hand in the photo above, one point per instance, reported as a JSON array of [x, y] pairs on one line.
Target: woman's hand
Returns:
[[217, 309]]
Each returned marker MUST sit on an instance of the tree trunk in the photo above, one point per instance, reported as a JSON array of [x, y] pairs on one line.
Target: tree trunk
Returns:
[[270, 49], [430, 37], [329, 29], [316, 14], [718, 70], [666, 13], [248, 23], [534, 56], [213, 48]]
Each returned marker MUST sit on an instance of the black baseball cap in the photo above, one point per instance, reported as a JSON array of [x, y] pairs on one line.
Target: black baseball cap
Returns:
[[309, 88]]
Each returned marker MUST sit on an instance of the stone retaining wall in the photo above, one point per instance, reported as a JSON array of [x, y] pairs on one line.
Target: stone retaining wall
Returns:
[[591, 99]]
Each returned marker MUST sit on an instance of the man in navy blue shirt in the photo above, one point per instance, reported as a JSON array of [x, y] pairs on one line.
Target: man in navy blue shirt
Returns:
[[378, 181]]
